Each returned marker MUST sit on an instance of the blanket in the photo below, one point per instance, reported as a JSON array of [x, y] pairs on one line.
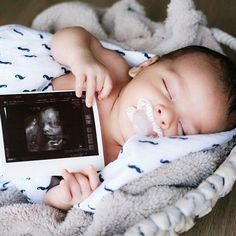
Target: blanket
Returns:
[[155, 190], [125, 24]]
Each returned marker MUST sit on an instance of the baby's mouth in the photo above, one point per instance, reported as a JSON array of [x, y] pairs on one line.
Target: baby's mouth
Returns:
[[142, 118]]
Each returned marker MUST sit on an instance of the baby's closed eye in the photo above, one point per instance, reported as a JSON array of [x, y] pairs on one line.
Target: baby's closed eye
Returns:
[[167, 89]]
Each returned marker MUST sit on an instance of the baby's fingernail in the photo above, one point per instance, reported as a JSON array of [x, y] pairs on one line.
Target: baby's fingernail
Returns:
[[90, 167], [89, 103], [78, 94], [64, 172]]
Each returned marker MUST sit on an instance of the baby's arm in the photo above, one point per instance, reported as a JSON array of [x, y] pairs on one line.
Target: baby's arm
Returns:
[[78, 49], [73, 189], [64, 82]]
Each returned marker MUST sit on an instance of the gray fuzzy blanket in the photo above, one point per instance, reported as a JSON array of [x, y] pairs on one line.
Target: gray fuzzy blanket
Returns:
[[117, 211]]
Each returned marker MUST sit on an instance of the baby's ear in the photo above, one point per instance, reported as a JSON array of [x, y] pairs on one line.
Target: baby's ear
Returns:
[[135, 70]]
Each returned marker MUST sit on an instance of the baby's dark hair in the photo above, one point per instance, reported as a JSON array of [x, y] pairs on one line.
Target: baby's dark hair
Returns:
[[225, 70]]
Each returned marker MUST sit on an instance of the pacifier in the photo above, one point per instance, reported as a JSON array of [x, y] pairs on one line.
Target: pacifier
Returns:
[[142, 119]]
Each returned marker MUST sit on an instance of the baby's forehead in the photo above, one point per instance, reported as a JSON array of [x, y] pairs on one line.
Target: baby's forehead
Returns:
[[189, 57], [202, 63], [193, 57], [50, 113]]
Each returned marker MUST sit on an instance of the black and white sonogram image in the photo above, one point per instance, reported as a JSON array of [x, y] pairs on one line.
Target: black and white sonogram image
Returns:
[[46, 126], [44, 130]]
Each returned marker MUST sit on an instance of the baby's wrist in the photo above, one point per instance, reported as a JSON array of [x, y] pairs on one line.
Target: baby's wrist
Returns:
[[80, 57]]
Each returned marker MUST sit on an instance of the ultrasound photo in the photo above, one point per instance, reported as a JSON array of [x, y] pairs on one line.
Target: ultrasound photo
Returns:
[[44, 131], [47, 125]]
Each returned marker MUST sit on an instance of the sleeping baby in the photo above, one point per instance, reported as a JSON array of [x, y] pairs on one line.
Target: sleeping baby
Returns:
[[190, 90], [185, 92]]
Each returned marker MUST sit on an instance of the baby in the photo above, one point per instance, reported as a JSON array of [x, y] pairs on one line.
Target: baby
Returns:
[[191, 91], [44, 131], [52, 129]]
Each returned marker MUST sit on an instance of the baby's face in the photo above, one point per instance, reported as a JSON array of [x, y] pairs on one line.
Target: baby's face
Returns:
[[51, 123], [184, 94]]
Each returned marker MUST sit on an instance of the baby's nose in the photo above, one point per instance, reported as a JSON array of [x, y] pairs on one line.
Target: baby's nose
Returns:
[[46, 127], [164, 116]]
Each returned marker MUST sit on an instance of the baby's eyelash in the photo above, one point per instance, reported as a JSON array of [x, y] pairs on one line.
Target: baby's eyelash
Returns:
[[167, 89]]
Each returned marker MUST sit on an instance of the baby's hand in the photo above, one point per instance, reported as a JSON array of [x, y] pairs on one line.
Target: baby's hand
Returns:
[[74, 188], [77, 186], [92, 76]]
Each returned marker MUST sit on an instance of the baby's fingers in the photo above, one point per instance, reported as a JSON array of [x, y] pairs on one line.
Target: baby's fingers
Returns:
[[79, 85], [90, 90], [65, 192], [73, 186], [92, 174], [107, 87], [84, 185]]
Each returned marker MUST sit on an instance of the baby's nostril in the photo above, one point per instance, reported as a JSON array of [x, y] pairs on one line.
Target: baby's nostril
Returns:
[[159, 111]]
